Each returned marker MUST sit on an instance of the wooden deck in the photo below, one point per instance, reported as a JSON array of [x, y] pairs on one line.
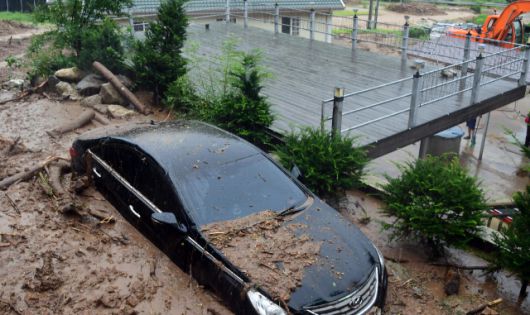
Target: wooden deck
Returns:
[[305, 73]]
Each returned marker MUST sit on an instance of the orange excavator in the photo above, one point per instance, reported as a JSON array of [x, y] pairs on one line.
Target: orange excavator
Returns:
[[506, 26]]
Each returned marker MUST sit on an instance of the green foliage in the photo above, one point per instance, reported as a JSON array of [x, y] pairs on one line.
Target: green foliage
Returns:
[[514, 242], [480, 19], [348, 13], [436, 201], [327, 162], [158, 61], [12, 64], [524, 149], [16, 16], [102, 43], [419, 32], [83, 34], [476, 8], [181, 95], [44, 58]]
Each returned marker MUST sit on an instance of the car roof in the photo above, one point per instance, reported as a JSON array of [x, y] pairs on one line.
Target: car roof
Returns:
[[182, 146]]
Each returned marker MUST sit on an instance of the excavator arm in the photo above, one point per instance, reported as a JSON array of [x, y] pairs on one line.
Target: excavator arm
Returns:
[[502, 24]]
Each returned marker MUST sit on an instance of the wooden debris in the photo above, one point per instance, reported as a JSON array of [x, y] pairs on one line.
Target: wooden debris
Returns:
[[26, 93], [12, 203], [120, 87], [82, 120], [101, 119], [65, 201], [23, 176], [461, 267], [483, 306]]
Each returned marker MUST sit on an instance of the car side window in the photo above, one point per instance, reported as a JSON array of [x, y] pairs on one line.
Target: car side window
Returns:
[[142, 173]]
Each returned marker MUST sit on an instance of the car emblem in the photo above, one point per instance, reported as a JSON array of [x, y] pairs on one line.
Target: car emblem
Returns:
[[355, 302]]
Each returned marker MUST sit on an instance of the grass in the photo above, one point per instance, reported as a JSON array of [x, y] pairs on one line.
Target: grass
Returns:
[[348, 13], [16, 16], [347, 31]]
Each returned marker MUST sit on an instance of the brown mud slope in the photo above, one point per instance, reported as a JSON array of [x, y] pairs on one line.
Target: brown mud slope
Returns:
[[415, 9], [52, 263], [270, 251], [12, 27]]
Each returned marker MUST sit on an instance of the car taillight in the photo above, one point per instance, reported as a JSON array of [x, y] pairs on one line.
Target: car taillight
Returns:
[[73, 152]]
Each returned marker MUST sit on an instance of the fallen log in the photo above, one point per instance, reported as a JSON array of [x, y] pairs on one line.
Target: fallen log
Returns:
[[23, 176], [100, 119], [82, 120], [460, 267], [483, 306], [65, 202], [120, 87]]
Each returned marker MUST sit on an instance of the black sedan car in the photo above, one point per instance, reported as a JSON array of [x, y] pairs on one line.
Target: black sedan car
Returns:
[[173, 181]]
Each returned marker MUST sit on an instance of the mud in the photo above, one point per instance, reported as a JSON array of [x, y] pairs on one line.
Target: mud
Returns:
[[415, 8], [271, 252]]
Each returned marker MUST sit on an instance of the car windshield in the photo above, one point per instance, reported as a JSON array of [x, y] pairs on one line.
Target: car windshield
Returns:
[[236, 189]]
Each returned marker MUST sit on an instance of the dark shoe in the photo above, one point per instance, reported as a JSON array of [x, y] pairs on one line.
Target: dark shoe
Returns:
[[467, 137]]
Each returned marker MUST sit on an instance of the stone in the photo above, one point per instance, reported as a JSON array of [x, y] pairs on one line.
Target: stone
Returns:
[[91, 101], [109, 95], [14, 84], [90, 85], [66, 90], [52, 83], [101, 108], [448, 73], [118, 111], [69, 74], [452, 283], [489, 311]]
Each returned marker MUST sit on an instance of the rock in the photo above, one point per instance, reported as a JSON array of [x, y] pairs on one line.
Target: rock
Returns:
[[52, 83], [448, 73], [109, 95], [66, 90], [14, 84], [118, 111], [489, 311], [101, 108], [452, 283], [125, 81], [69, 74], [91, 101], [90, 85]]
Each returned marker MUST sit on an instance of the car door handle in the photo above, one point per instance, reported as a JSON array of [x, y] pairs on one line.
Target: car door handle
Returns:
[[96, 172], [134, 211]]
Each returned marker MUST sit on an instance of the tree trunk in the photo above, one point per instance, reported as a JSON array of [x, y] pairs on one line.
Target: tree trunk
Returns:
[[522, 293]]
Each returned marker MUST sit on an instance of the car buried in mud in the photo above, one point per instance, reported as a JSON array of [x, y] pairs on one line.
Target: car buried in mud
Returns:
[[229, 215]]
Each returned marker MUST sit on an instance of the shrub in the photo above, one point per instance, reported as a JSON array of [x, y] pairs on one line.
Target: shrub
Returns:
[[435, 201], [514, 242], [44, 58], [419, 32], [181, 95], [327, 162], [158, 61], [476, 8], [83, 34]]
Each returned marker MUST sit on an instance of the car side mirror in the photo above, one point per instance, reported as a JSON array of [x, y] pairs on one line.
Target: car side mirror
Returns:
[[168, 219], [295, 172]]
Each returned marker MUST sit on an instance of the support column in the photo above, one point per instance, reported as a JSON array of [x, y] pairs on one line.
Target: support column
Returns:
[[477, 75], [405, 41], [276, 18], [312, 24], [245, 14], [524, 71], [376, 13], [467, 52], [227, 12], [338, 100], [329, 28], [484, 135], [415, 98], [354, 30]]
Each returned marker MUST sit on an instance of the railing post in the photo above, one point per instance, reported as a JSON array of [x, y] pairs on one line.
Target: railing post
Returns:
[[467, 51], [276, 18], [524, 71], [405, 42], [477, 75], [245, 13], [376, 13], [354, 30], [370, 8], [338, 100], [312, 24], [227, 12], [415, 98]]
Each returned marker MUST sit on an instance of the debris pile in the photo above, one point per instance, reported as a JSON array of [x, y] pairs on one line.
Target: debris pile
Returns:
[[271, 251], [416, 8]]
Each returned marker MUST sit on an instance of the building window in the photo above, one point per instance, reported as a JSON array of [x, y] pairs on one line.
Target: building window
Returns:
[[286, 25], [295, 26], [140, 26], [232, 20]]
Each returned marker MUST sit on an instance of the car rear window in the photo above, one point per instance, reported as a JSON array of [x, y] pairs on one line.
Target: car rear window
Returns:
[[214, 193]]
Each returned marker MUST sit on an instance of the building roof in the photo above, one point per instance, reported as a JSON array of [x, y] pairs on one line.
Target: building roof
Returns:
[[151, 6]]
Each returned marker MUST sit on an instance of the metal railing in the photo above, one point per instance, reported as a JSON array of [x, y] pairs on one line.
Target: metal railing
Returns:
[[432, 87]]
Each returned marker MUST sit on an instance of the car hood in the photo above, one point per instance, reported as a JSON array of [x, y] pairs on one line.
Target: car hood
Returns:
[[345, 261]]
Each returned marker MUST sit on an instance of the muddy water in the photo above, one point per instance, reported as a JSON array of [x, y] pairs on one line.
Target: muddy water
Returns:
[[56, 264], [415, 286]]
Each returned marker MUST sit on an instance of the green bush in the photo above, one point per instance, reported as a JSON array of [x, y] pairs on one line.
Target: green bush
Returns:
[[44, 58], [181, 95], [419, 32], [327, 163], [480, 19], [158, 61], [436, 201], [102, 43], [514, 242], [476, 8]]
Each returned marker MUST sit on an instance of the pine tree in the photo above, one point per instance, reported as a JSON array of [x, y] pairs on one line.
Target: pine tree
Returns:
[[158, 60], [514, 242]]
